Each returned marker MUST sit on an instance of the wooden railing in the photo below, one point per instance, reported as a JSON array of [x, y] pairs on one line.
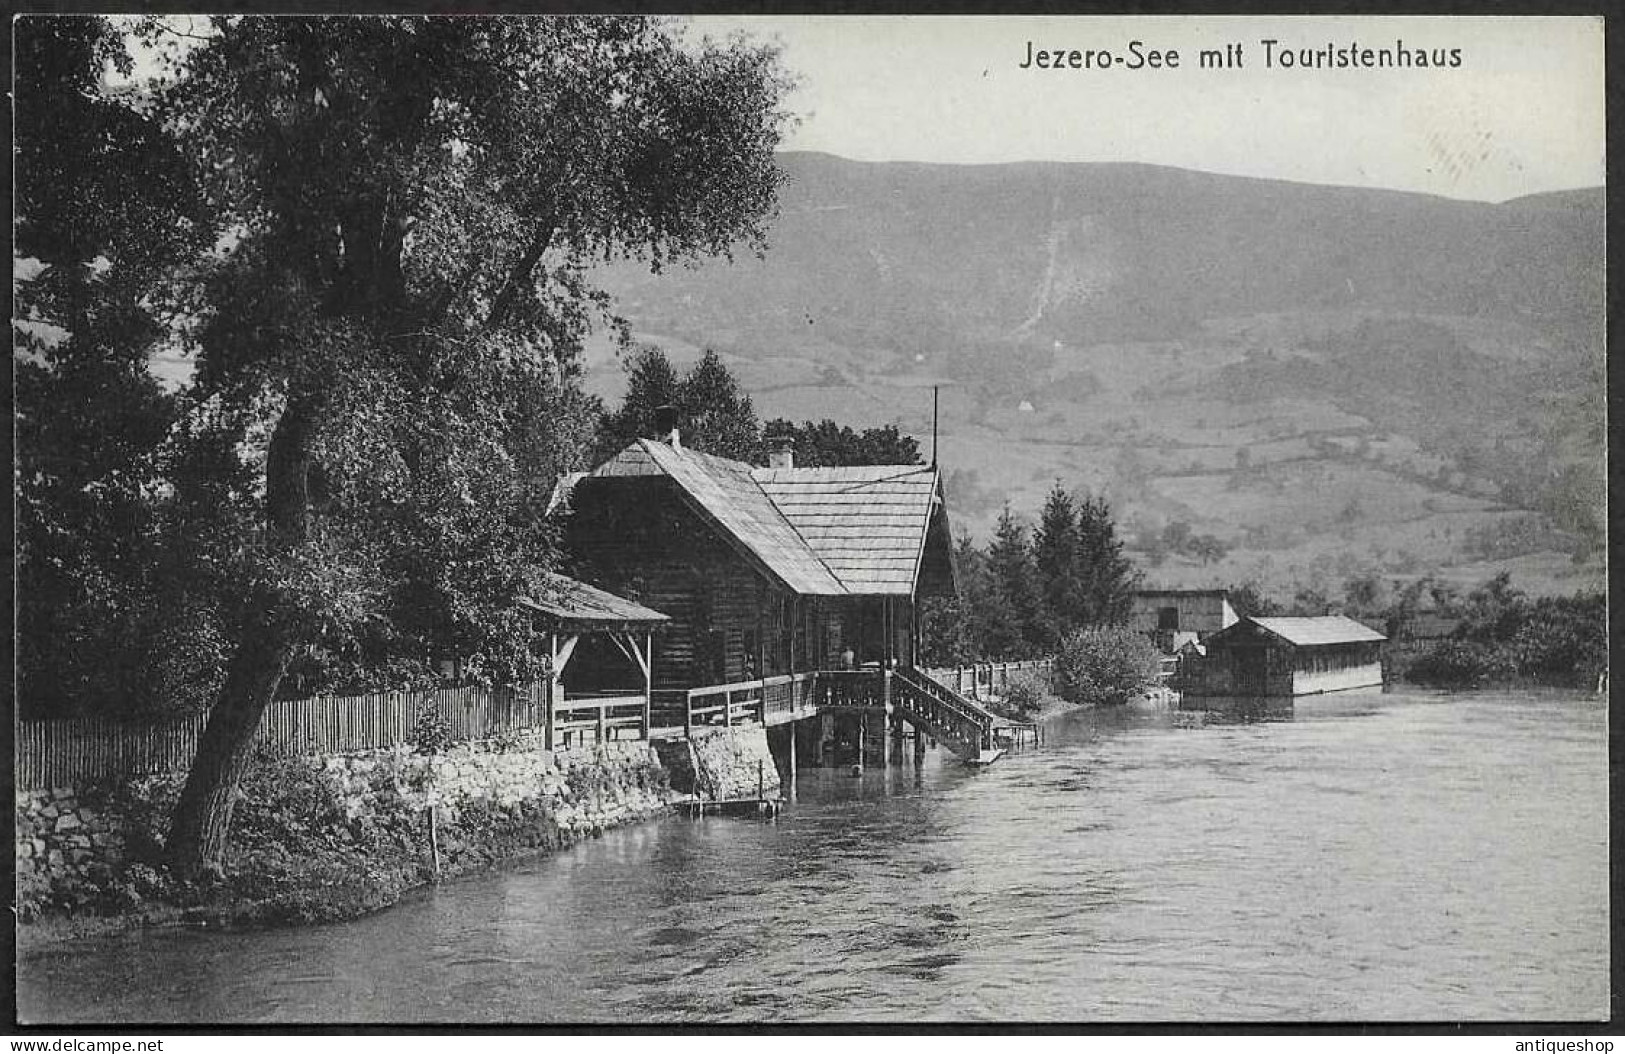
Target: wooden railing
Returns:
[[749, 702], [964, 726], [959, 723], [988, 678], [788, 695], [606, 716]]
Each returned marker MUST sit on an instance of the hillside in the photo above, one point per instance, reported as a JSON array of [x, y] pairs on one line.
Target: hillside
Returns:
[[1326, 379]]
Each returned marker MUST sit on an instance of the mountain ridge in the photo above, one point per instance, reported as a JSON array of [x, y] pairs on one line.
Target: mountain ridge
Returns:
[[1118, 325]]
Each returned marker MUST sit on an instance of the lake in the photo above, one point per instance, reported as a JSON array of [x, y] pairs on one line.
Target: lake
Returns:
[[1364, 856]]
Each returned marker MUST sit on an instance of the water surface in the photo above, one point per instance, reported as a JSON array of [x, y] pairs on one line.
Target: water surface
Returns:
[[1403, 856]]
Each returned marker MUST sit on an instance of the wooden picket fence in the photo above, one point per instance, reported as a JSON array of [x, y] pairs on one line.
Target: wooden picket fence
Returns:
[[60, 753], [980, 679]]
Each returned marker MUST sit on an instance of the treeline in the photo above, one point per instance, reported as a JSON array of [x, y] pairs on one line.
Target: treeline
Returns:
[[716, 416], [129, 585], [1028, 590], [1439, 635]]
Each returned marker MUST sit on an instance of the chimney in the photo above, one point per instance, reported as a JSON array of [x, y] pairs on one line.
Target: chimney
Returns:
[[781, 450], [666, 425]]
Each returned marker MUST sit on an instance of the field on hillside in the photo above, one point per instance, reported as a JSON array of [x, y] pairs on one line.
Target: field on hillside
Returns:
[[1320, 378]]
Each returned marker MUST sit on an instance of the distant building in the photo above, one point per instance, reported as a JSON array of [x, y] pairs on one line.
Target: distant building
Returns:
[[1262, 657], [1175, 617]]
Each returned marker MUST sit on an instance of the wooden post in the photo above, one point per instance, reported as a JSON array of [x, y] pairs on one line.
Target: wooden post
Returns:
[[688, 714], [761, 783], [434, 842], [885, 731], [792, 729], [648, 682], [549, 708], [728, 708], [602, 707]]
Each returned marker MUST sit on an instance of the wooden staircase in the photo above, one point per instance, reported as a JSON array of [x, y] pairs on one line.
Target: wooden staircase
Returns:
[[962, 725]]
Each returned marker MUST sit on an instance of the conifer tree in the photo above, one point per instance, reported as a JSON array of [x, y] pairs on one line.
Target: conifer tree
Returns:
[[1012, 620], [1109, 577]]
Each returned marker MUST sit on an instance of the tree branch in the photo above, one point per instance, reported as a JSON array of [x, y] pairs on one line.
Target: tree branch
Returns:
[[521, 271]]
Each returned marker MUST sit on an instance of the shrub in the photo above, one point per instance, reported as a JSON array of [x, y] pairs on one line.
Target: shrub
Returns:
[[1022, 697], [1105, 666], [1453, 663]]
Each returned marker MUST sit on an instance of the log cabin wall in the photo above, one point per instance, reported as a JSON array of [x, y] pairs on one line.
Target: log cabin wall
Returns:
[[638, 538]]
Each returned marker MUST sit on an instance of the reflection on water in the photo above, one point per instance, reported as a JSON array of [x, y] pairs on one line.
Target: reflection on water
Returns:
[[1402, 857], [1196, 711]]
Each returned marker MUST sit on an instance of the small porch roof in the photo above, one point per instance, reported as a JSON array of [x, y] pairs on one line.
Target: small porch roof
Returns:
[[568, 605]]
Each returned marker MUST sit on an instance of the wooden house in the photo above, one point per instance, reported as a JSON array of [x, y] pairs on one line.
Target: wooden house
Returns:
[[1258, 657], [763, 571], [1175, 617]]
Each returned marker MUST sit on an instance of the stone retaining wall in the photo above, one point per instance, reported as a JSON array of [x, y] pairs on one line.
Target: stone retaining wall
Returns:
[[72, 842], [719, 764]]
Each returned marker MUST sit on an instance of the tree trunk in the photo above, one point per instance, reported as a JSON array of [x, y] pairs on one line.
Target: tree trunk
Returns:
[[202, 817]]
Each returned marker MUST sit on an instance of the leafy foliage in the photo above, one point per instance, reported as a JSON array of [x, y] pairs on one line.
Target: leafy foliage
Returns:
[[714, 415], [1495, 632], [1022, 595], [1023, 697], [371, 238], [1105, 665], [825, 443], [104, 207]]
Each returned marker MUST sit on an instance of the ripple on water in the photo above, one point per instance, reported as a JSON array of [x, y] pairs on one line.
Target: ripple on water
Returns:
[[1387, 858]]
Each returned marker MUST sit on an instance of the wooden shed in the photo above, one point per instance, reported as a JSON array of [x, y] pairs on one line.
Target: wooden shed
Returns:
[[763, 571], [600, 648], [1260, 657]]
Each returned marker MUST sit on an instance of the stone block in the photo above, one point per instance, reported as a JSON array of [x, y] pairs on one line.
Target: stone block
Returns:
[[67, 822]]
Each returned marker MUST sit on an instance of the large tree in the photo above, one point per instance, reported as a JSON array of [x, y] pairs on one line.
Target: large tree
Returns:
[[385, 319], [1062, 582], [717, 415], [1110, 577], [104, 207], [825, 443], [714, 414], [1011, 626]]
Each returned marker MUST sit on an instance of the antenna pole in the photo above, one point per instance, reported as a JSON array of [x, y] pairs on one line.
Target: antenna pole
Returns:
[[933, 426]]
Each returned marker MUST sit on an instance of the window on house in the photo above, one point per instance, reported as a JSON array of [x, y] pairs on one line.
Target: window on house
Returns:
[[1168, 618]]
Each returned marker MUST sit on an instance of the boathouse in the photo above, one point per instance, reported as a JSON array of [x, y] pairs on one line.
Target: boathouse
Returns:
[[1283, 656], [1173, 618]]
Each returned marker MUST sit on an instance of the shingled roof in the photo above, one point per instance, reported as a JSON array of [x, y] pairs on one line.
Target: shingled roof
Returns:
[[822, 531], [723, 492], [867, 524], [569, 604]]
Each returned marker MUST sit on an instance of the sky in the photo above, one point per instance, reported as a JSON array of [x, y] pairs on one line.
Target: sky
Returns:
[[1522, 113]]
